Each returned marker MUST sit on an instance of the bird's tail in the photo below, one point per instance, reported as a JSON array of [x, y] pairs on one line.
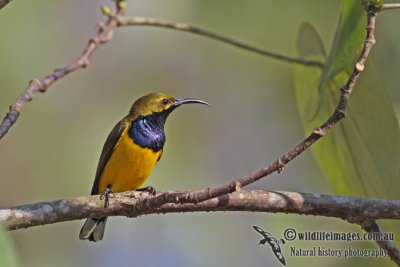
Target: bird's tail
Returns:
[[93, 229]]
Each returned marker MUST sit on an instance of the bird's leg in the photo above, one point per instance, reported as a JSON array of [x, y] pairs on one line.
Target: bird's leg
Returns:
[[149, 189], [107, 194]]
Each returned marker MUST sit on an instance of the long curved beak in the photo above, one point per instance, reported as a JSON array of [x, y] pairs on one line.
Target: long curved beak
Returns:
[[182, 101]]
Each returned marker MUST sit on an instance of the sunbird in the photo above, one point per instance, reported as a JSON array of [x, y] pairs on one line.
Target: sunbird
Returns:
[[130, 152]]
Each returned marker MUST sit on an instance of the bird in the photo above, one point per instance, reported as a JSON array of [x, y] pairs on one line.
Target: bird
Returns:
[[273, 242], [130, 153]]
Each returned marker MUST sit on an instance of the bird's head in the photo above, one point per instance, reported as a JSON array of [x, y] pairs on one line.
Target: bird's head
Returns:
[[158, 104]]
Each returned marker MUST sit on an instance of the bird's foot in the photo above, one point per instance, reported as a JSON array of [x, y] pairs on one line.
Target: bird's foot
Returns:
[[107, 194], [149, 189]]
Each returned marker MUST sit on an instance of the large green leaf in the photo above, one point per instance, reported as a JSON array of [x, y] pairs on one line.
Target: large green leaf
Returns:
[[360, 155], [348, 40], [7, 254], [347, 44]]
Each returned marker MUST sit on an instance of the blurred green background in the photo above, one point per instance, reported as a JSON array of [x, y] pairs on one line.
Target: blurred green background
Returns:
[[52, 151]]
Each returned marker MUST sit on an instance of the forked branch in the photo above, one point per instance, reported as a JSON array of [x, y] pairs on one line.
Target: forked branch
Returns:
[[104, 35]]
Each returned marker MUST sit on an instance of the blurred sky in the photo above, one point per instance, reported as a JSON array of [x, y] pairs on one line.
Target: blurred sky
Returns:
[[53, 149]]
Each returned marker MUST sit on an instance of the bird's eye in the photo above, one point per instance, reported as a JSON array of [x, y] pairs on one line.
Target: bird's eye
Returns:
[[164, 101]]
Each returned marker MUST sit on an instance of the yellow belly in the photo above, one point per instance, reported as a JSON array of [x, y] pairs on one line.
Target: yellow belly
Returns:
[[128, 167]]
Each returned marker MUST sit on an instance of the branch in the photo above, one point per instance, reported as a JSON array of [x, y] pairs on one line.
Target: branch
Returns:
[[180, 26], [3, 3], [371, 226], [134, 204], [390, 6], [104, 34]]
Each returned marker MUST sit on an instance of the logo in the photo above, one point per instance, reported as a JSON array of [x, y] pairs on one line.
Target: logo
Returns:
[[272, 242], [311, 246]]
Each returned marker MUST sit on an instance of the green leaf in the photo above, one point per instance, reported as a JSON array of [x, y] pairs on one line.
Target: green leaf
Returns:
[[346, 47], [348, 40], [361, 154], [7, 253]]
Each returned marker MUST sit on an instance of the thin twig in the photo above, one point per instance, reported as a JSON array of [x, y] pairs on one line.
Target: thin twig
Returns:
[[390, 6], [180, 26], [133, 204], [104, 34], [3, 3], [280, 163], [371, 226]]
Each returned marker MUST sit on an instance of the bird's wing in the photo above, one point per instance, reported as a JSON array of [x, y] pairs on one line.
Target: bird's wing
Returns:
[[276, 249], [259, 229], [280, 256], [108, 148], [262, 232]]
